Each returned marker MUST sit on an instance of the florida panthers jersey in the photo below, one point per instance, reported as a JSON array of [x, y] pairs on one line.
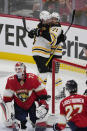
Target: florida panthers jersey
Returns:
[[24, 93], [74, 107]]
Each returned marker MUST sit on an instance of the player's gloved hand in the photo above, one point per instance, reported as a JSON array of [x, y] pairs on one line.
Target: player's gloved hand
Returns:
[[41, 111], [34, 32], [61, 38], [31, 33], [37, 32]]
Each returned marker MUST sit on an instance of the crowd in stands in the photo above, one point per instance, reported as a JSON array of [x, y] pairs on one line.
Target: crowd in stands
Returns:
[[64, 7]]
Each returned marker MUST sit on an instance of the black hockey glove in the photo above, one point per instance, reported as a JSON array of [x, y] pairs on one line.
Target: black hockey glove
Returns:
[[31, 34], [61, 38], [34, 32]]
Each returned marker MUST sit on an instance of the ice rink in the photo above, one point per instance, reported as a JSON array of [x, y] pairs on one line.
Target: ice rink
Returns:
[[7, 69]]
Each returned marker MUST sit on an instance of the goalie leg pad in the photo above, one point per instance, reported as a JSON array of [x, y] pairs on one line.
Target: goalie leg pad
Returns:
[[7, 113], [3, 115]]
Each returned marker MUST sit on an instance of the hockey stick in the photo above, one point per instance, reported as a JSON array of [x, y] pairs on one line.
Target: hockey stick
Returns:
[[24, 24], [45, 125], [71, 22], [65, 35]]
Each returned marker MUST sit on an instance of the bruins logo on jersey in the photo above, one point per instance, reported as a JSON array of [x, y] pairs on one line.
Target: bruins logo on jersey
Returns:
[[22, 95]]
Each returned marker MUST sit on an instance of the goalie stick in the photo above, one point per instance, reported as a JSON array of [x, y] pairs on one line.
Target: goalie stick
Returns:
[[65, 35], [43, 124]]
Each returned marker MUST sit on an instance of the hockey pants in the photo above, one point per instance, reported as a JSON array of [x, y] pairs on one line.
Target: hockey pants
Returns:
[[21, 114]]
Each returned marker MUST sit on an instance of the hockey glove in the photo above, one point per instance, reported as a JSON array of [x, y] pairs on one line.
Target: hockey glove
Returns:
[[41, 111], [34, 32], [61, 38]]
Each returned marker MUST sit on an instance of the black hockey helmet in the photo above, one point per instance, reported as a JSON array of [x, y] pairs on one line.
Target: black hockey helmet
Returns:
[[71, 86]]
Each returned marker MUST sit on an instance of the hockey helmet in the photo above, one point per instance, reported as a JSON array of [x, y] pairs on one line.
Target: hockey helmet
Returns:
[[20, 69], [71, 86], [55, 15], [45, 15]]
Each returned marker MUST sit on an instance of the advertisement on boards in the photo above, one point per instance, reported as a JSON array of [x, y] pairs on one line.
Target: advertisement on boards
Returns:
[[14, 39]]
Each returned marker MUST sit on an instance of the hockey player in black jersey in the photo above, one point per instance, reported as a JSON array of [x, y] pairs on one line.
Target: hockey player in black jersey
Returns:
[[47, 36], [56, 52]]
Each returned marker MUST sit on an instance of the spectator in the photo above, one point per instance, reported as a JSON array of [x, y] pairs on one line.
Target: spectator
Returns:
[[1, 6], [65, 10], [36, 8], [50, 5], [81, 12]]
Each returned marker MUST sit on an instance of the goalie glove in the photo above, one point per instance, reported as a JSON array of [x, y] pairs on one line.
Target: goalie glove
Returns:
[[41, 111]]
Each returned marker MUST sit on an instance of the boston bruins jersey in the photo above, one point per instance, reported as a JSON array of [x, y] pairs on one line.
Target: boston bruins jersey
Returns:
[[47, 41]]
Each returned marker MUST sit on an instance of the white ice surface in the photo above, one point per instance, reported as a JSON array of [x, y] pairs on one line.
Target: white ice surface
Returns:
[[7, 69]]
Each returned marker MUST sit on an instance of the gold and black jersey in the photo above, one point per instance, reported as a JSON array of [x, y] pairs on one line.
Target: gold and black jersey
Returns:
[[45, 43]]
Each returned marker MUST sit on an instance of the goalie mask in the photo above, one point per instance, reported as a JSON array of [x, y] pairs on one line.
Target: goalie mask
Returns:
[[20, 69], [71, 86]]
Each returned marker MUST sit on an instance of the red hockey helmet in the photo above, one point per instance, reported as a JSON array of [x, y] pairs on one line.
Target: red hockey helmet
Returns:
[[20, 69]]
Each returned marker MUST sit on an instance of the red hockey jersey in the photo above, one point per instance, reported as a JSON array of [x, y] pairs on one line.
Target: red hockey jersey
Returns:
[[24, 93], [74, 107]]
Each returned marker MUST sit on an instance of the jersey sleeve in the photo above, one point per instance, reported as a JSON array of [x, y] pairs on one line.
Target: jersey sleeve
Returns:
[[40, 91], [8, 92]]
